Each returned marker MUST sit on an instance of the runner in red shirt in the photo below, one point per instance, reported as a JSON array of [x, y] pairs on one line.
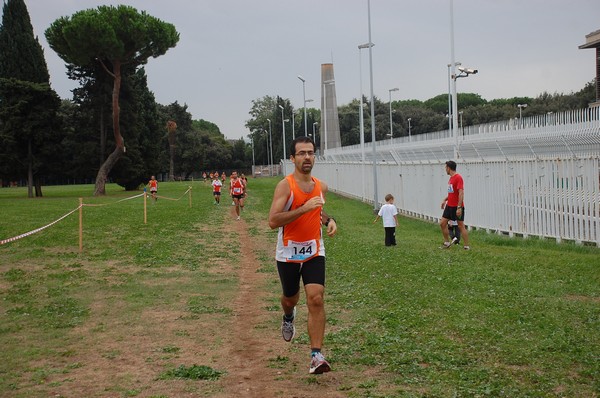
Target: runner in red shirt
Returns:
[[237, 189], [454, 206]]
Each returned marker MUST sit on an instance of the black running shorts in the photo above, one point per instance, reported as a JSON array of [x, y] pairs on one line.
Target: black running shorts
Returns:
[[311, 271]]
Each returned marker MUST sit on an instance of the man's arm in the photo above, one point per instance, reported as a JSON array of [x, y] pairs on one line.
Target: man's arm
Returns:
[[327, 220], [461, 198]]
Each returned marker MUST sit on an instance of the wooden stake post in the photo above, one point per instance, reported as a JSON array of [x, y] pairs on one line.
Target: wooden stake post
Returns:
[[80, 225]]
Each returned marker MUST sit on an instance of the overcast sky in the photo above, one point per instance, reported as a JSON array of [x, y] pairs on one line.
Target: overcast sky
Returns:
[[234, 51]]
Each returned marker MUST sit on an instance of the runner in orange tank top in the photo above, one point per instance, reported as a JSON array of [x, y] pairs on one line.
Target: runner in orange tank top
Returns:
[[297, 210]]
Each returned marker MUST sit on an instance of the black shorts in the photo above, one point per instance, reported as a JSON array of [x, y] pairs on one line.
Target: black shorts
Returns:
[[450, 214], [238, 196], [217, 193], [311, 271]]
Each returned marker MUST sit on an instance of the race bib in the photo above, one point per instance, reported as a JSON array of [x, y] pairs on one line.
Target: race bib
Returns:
[[237, 191], [298, 251]]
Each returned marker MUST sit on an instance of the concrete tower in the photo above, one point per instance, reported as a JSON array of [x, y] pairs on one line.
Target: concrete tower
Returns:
[[330, 122]]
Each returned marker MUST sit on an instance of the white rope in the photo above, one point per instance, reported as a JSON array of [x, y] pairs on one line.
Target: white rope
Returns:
[[2, 242]]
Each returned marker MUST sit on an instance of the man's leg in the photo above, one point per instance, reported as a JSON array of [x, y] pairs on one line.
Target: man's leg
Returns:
[[463, 233], [316, 314], [288, 303], [237, 206], [444, 226]]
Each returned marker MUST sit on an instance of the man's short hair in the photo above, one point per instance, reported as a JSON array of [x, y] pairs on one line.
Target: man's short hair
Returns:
[[304, 139], [451, 164]]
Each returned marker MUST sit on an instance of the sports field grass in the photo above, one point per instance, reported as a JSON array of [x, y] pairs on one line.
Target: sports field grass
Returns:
[[510, 318]]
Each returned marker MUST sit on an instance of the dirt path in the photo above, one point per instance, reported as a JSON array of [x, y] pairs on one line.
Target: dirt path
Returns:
[[121, 353], [262, 364]]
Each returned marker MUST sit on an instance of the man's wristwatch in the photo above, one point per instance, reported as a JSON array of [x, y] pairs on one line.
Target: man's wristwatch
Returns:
[[329, 219]]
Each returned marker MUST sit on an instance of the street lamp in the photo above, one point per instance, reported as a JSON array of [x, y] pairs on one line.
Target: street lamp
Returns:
[[325, 137], [409, 137], [283, 132], [462, 132], [521, 106], [464, 72], [304, 98], [391, 124], [271, 146]]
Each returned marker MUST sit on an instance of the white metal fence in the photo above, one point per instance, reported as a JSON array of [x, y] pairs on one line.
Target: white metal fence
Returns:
[[534, 179]]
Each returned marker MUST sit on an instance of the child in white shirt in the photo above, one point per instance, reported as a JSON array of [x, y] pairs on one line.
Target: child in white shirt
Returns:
[[388, 213]]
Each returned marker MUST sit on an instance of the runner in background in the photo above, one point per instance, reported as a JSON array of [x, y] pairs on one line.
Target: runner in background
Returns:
[[237, 190], [216, 184], [153, 186]]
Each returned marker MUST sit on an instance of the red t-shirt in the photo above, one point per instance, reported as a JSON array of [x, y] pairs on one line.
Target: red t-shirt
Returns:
[[455, 183]]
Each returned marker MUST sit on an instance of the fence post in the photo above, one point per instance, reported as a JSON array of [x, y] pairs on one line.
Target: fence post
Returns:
[[190, 196], [80, 225], [145, 212]]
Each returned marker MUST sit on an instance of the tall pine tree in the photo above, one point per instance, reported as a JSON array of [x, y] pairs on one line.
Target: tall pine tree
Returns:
[[27, 103]]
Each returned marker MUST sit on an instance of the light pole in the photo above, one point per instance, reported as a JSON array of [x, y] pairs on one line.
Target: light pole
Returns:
[[375, 198], [391, 123], [267, 142], [521, 106], [361, 115], [462, 132], [253, 163], [293, 127], [324, 137], [283, 132], [409, 137], [304, 98], [450, 97], [314, 134], [305, 117], [271, 146]]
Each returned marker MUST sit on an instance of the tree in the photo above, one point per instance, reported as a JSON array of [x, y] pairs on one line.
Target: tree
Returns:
[[112, 37], [28, 105]]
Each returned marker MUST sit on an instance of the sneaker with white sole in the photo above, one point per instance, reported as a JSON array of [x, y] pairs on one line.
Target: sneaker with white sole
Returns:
[[467, 247], [288, 330], [318, 364], [446, 245]]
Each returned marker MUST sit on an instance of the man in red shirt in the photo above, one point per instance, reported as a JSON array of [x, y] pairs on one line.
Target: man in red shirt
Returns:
[[454, 206]]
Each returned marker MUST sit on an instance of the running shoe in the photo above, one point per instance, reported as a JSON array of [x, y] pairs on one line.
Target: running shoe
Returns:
[[455, 240], [238, 218], [467, 247], [318, 364], [288, 330], [446, 245]]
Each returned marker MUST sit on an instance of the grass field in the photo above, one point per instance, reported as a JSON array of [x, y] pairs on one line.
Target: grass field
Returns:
[[510, 318]]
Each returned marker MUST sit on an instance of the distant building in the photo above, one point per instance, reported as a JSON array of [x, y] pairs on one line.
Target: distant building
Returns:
[[592, 40]]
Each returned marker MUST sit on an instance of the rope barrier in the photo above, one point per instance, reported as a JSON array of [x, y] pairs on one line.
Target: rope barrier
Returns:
[[164, 197], [2, 242], [108, 204], [8, 240]]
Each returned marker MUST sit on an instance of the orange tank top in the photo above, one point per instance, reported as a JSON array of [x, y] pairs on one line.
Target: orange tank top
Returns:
[[301, 239]]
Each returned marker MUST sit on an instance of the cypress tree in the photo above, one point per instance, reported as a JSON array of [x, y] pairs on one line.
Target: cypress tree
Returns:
[[21, 55], [27, 103]]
